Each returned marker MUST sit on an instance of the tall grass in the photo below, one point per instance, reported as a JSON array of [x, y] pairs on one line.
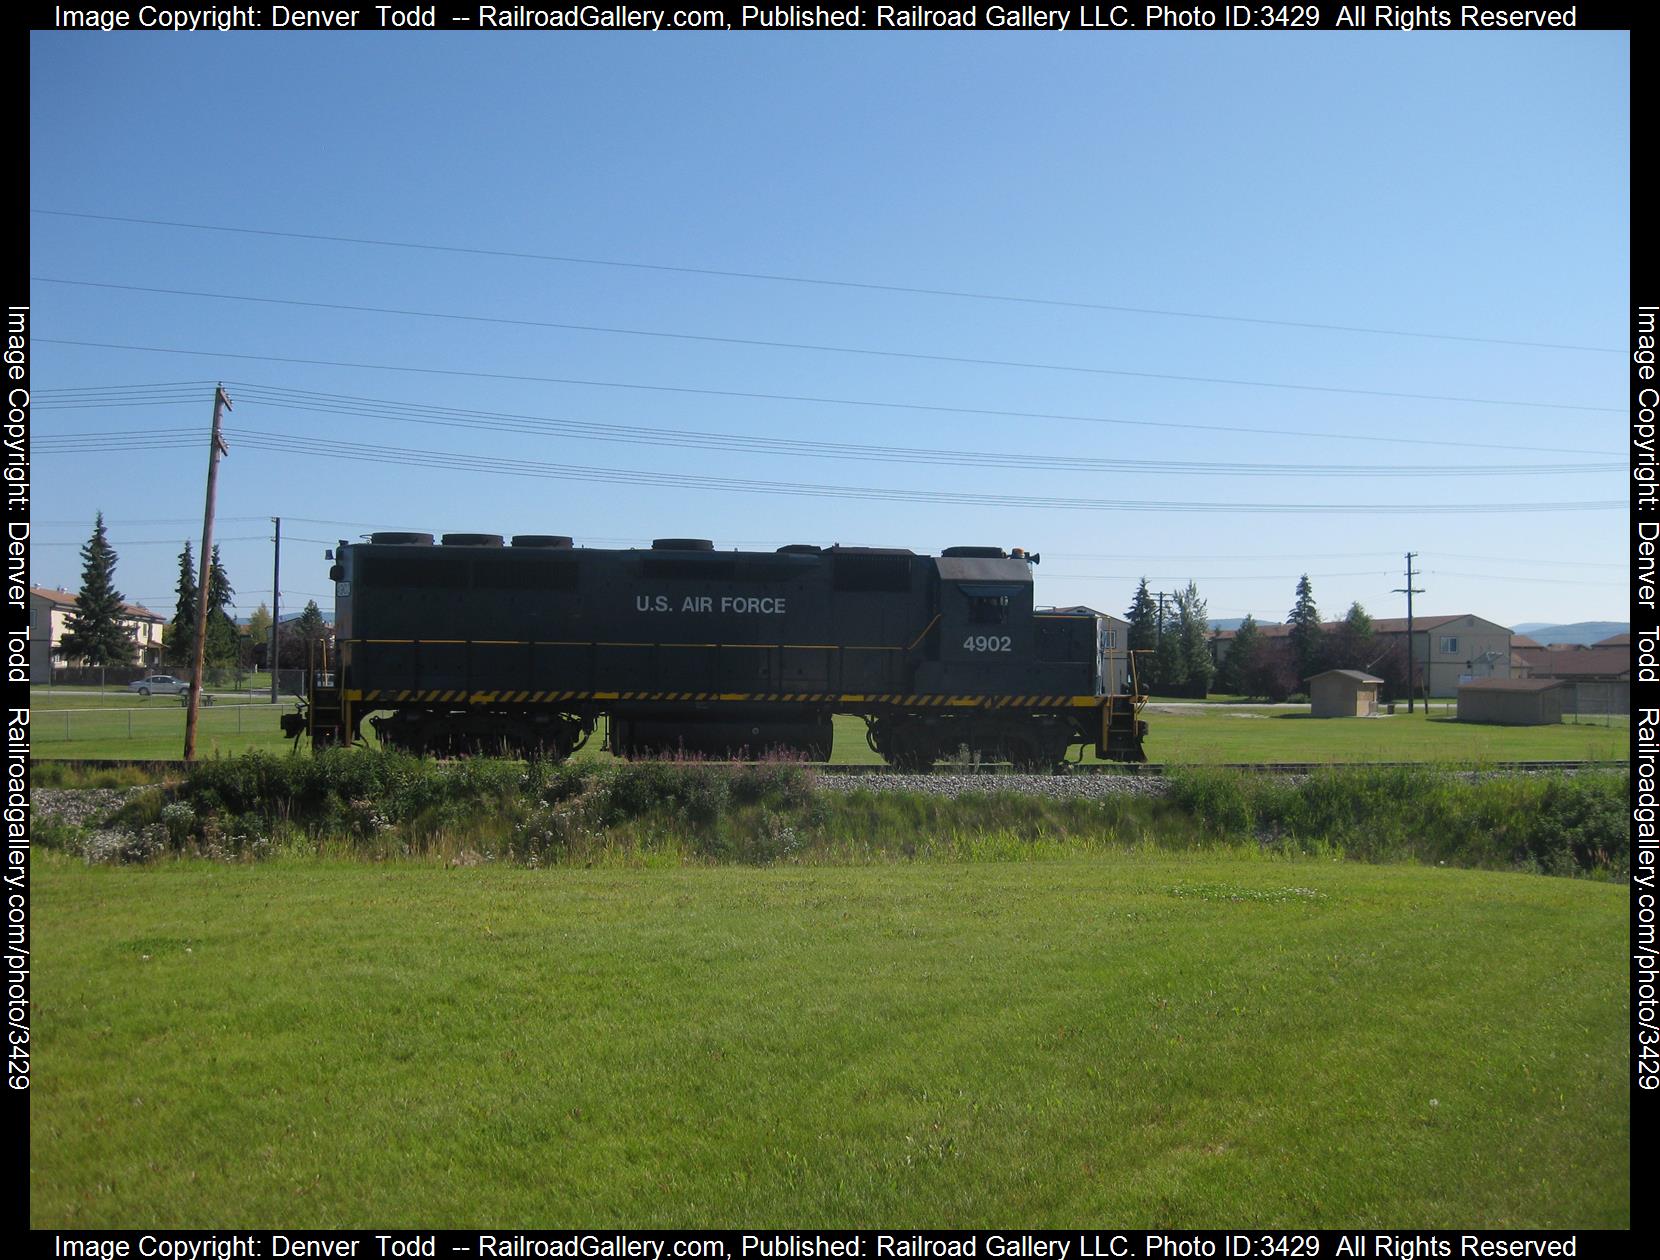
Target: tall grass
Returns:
[[392, 805], [1554, 824]]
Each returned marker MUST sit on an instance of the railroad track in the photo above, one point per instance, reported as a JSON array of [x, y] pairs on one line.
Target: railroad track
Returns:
[[1263, 767], [1147, 769]]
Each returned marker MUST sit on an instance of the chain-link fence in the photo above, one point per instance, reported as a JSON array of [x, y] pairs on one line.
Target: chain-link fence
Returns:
[[115, 679], [162, 717]]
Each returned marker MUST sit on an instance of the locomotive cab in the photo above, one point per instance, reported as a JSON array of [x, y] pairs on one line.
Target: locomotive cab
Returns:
[[984, 605]]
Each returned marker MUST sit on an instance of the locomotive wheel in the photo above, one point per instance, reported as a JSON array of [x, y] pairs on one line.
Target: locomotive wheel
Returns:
[[1024, 755], [907, 746]]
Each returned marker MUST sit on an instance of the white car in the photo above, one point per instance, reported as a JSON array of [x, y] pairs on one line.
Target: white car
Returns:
[[160, 684]]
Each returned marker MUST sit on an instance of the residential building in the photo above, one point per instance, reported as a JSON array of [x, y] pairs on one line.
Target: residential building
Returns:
[[1600, 676], [1447, 649], [49, 611]]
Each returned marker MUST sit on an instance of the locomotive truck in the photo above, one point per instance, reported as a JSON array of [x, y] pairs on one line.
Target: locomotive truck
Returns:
[[472, 645]]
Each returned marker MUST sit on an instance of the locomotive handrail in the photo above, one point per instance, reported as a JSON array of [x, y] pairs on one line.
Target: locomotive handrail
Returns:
[[821, 647]]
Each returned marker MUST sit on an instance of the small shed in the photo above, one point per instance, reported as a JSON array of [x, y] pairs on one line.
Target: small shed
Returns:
[[1343, 693], [1513, 701]]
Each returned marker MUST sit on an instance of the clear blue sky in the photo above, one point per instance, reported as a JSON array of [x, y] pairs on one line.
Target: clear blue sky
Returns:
[[1474, 186]]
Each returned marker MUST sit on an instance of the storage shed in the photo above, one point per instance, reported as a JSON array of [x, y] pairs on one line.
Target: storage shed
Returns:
[[1513, 701], [1343, 693]]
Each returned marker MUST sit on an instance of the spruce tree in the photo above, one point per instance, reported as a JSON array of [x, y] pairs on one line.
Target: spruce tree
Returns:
[[309, 625], [1305, 635], [181, 631], [221, 629], [1169, 662], [294, 638], [1193, 635], [1143, 617], [96, 632], [1143, 635]]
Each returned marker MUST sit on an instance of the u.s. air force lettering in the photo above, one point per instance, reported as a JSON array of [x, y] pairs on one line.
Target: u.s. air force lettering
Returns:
[[772, 605]]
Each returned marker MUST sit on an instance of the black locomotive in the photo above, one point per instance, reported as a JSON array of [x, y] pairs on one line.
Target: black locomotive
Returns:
[[472, 645]]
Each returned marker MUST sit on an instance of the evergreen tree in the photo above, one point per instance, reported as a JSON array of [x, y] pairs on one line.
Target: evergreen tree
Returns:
[[1143, 617], [1143, 635], [1192, 630], [1305, 635], [96, 632], [181, 631], [1169, 662], [1235, 674], [222, 640], [309, 626], [1353, 645], [295, 637]]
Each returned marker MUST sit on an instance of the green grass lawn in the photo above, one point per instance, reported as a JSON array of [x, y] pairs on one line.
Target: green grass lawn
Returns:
[[1210, 736], [1145, 1040], [70, 723], [130, 727]]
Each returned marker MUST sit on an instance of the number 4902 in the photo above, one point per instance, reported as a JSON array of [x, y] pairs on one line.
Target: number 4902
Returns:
[[988, 643]]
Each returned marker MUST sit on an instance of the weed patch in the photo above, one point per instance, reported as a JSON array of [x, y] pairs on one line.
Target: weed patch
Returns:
[[387, 805]]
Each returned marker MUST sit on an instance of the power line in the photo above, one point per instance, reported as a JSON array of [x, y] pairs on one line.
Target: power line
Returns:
[[1292, 577], [913, 355], [453, 461], [831, 401], [827, 283], [155, 520], [587, 430], [148, 542], [1532, 560], [1505, 577], [1149, 557]]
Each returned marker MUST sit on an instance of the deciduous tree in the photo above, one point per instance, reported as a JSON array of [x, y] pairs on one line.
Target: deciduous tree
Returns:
[[259, 626], [1352, 645]]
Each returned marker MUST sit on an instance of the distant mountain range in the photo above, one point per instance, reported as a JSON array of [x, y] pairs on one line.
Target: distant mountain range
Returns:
[[1575, 632], [1543, 631]]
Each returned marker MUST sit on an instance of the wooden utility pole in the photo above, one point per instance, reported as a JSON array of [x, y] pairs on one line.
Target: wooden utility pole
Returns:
[[1409, 591], [216, 448], [276, 606]]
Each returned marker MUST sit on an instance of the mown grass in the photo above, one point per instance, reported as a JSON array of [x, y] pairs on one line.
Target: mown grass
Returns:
[[1211, 736], [1146, 1040], [155, 729], [366, 804], [120, 728]]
